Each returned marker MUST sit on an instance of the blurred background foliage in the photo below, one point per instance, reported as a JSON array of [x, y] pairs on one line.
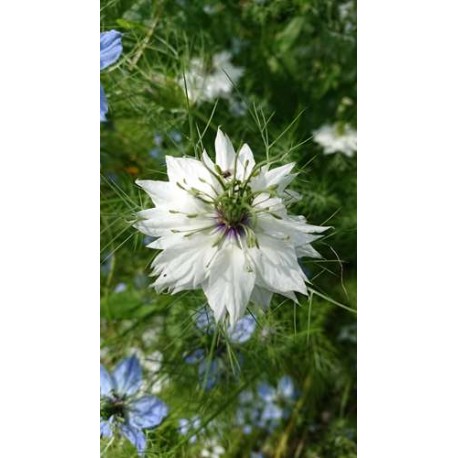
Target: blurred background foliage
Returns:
[[299, 73]]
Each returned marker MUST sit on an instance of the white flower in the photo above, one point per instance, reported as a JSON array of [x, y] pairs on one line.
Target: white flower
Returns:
[[336, 139], [212, 449], [347, 13], [206, 85], [224, 227]]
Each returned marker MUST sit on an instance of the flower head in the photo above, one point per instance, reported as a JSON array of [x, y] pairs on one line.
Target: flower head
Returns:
[[277, 401], [336, 139], [212, 449], [223, 226], [189, 426], [238, 333], [122, 409], [267, 407], [110, 50], [206, 84]]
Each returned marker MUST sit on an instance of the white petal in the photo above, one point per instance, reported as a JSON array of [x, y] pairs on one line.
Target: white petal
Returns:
[[161, 192], [225, 154], [230, 283], [293, 229], [245, 162], [208, 161], [308, 251], [185, 265], [276, 265], [269, 204], [278, 177], [261, 296], [157, 222], [191, 173]]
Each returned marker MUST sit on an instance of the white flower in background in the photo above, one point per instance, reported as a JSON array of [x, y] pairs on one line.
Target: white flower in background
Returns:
[[224, 227], [206, 85], [212, 449], [347, 13], [151, 336], [336, 139]]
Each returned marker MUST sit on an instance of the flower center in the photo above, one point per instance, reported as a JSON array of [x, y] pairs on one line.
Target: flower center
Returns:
[[233, 210], [115, 406]]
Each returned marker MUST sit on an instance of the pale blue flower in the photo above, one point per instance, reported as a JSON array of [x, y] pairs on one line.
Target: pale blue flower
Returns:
[[277, 401], [158, 139], [176, 136], [266, 408], [187, 426], [110, 50], [155, 153], [120, 287], [204, 321], [240, 332], [122, 409]]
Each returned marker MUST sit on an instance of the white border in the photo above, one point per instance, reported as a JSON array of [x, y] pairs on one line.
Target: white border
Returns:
[[407, 226], [49, 187]]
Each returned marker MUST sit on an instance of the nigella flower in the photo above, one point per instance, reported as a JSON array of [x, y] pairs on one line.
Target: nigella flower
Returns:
[[277, 401], [239, 333], [336, 139], [110, 50], [224, 227], [266, 408], [189, 426], [213, 449], [122, 409], [205, 84]]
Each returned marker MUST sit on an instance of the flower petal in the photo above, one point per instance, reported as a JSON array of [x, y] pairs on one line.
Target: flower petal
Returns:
[[162, 193], [276, 265], [135, 436], [278, 177], [230, 283], [105, 428], [158, 222], [204, 320], [261, 296], [209, 379], [195, 357], [110, 48], [106, 382], [191, 175], [147, 412], [286, 387], [184, 266], [242, 330], [245, 162], [128, 376], [103, 105], [225, 154], [266, 392], [272, 412]]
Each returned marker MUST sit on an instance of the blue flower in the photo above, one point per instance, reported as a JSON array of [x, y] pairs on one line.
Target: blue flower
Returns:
[[155, 153], [110, 50], [120, 287], [122, 409], [240, 332], [267, 407], [204, 321], [277, 401], [176, 136], [187, 426]]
